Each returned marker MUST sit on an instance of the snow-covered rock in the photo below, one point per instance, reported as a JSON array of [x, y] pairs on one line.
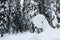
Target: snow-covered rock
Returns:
[[41, 22]]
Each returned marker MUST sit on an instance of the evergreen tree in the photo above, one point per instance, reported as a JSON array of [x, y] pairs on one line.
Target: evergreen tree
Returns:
[[58, 12], [3, 17], [30, 10]]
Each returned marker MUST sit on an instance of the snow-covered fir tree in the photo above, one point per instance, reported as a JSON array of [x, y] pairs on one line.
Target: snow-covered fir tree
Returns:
[[3, 16], [58, 12], [50, 12], [30, 10]]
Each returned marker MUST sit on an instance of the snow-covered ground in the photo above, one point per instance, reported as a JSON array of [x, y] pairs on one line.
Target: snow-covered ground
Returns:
[[48, 33]]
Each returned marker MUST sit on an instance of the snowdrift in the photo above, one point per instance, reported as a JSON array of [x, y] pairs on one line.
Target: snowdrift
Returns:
[[41, 22]]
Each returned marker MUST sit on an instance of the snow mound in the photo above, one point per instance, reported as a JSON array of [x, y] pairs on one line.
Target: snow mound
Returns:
[[40, 21]]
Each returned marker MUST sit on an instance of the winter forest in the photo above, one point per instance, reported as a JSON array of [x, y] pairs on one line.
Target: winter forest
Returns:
[[34, 16]]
